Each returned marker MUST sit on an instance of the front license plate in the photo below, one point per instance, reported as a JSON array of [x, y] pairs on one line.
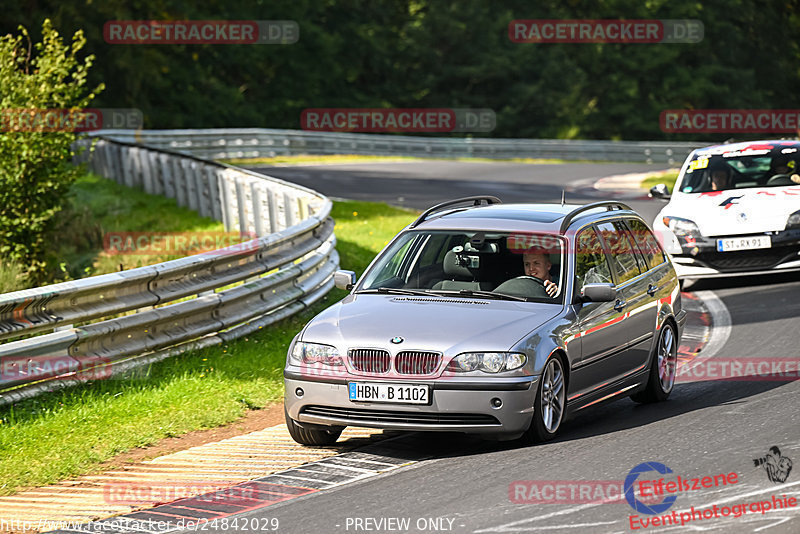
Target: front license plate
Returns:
[[395, 393], [743, 243]]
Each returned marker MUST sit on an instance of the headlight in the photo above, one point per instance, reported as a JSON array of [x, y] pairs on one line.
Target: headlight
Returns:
[[793, 221], [488, 362], [315, 353], [681, 227]]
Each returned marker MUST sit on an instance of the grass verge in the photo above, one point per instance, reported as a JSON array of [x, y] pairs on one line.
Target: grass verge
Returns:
[[98, 209], [88, 424], [667, 177], [101, 208]]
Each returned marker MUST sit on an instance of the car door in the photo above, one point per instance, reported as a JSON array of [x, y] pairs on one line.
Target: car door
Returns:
[[598, 324], [651, 288]]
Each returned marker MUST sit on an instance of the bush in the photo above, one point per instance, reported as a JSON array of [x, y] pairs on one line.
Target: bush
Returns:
[[35, 164], [12, 277]]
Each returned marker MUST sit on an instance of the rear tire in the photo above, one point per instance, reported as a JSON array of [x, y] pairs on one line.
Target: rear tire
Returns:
[[550, 404], [664, 362], [309, 434]]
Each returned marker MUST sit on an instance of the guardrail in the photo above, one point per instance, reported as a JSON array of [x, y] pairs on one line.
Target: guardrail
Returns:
[[260, 142], [232, 291]]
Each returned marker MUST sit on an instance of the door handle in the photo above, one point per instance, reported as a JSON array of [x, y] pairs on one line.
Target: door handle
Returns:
[[620, 304], [651, 289]]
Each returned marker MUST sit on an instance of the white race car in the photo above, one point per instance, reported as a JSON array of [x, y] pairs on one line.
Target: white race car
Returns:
[[735, 210]]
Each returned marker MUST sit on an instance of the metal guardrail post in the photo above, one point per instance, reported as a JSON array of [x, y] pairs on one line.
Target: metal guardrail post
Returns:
[[258, 208], [241, 207], [180, 181], [168, 176], [226, 202], [213, 181], [288, 209], [273, 211]]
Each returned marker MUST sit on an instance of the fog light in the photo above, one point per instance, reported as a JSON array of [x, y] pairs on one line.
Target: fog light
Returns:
[[299, 392], [496, 403]]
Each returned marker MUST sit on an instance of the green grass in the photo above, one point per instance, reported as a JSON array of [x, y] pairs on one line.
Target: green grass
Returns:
[[85, 425], [310, 159], [99, 206], [667, 177], [95, 208]]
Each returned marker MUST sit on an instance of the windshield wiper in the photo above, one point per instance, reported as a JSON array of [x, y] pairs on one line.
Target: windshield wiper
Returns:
[[397, 291], [481, 293]]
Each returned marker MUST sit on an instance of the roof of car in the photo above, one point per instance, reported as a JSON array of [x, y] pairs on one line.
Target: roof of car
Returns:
[[511, 217], [748, 146]]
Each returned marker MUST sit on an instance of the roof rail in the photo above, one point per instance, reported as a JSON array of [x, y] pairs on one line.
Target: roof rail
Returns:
[[609, 205], [438, 207]]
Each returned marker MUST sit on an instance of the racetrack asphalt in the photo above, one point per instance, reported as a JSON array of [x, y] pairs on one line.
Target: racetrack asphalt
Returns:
[[457, 483], [706, 428]]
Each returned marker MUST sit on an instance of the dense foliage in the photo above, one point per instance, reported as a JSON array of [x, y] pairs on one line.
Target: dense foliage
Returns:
[[441, 53], [35, 168]]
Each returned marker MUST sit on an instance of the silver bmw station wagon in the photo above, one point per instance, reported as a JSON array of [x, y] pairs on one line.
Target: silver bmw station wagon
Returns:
[[491, 318]]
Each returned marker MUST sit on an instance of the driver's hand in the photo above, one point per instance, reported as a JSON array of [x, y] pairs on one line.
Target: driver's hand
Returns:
[[795, 178], [550, 287]]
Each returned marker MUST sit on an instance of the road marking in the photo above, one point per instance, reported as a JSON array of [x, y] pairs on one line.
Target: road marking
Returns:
[[720, 320], [320, 475], [513, 524]]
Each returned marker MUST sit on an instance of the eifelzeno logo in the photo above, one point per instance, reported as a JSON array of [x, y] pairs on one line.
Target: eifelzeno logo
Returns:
[[630, 495]]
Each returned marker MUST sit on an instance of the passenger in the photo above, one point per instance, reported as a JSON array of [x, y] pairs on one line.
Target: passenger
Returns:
[[538, 265], [783, 165]]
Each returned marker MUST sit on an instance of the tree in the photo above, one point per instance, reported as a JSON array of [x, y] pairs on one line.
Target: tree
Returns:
[[35, 162]]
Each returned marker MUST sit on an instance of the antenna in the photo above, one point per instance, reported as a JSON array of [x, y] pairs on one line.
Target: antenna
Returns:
[[563, 196]]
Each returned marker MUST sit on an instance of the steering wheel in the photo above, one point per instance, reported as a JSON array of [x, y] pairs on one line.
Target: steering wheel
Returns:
[[528, 277], [779, 177], [523, 286]]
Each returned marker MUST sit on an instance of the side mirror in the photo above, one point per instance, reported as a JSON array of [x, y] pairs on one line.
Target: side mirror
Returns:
[[344, 280], [599, 292], [660, 191]]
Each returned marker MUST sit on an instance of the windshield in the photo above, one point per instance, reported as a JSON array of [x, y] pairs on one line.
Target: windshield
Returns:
[[481, 264], [738, 170]]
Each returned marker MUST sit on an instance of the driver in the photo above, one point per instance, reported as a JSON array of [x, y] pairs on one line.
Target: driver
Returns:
[[538, 265], [720, 177]]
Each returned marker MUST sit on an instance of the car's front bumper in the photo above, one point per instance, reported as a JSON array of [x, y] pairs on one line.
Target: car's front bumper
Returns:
[[699, 258], [456, 405]]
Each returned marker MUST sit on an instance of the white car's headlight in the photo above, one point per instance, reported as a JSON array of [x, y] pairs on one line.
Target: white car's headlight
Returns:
[[793, 221], [681, 227], [311, 353], [488, 362]]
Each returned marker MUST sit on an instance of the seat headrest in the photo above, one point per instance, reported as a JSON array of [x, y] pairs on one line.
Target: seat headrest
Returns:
[[453, 268]]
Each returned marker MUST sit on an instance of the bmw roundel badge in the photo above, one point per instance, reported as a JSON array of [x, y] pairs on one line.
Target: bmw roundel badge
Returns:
[[396, 340]]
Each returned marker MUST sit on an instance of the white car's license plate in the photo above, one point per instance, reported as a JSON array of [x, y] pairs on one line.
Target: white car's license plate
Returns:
[[743, 243], [396, 393]]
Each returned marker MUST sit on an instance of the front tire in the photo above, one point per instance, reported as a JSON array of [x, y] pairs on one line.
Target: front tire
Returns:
[[312, 434], [663, 366], [550, 404]]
